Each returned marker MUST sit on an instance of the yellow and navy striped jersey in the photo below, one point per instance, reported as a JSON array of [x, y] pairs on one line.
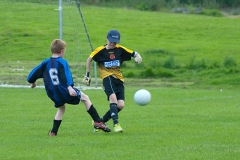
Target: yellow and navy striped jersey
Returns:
[[109, 60]]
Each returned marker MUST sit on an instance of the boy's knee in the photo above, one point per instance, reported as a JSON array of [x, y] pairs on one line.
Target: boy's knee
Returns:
[[120, 105]]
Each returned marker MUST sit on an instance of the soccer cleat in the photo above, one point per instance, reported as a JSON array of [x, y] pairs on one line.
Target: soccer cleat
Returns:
[[117, 128], [95, 129], [101, 126], [52, 134]]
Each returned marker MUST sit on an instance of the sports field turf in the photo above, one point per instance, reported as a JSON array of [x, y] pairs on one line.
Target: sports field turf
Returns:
[[182, 121], [179, 123]]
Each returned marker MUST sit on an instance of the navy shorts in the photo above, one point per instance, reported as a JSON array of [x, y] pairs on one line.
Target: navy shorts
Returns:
[[113, 85], [74, 100]]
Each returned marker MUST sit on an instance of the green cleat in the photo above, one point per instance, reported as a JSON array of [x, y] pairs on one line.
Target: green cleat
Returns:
[[117, 128]]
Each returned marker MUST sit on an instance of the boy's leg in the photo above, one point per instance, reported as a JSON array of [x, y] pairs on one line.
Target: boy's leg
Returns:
[[97, 122], [107, 115], [114, 115], [93, 113], [57, 121], [114, 89]]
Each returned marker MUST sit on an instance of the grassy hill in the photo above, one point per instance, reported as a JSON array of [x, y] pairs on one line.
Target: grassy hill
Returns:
[[175, 47]]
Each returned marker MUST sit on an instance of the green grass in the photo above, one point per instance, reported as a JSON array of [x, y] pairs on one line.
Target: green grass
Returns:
[[178, 123], [159, 37], [181, 121]]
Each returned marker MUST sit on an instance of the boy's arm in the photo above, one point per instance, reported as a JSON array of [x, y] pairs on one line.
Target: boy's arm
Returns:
[[35, 74], [87, 77], [137, 58], [88, 65], [129, 53]]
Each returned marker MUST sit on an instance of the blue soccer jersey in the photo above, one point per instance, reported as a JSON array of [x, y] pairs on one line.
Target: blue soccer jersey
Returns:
[[57, 78]]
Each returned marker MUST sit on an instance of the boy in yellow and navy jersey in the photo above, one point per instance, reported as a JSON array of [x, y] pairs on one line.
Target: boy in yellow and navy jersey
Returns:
[[109, 59]]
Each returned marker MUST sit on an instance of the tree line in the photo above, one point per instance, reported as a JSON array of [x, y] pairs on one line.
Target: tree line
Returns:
[[164, 3]]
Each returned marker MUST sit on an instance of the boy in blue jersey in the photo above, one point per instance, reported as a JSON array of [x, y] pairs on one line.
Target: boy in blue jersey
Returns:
[[109, 58], [58, 83]]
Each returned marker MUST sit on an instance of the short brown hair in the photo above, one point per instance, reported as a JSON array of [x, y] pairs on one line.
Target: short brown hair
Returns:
[[57, 45]]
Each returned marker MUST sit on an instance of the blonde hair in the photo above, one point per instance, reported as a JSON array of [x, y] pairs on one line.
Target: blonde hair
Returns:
[[57, 45]]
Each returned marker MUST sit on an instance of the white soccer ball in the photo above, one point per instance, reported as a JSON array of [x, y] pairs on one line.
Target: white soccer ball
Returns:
[[142, 97]]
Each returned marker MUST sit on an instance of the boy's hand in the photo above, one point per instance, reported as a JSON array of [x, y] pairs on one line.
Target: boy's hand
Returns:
[[138, 58], [87, 80], [71, 91]]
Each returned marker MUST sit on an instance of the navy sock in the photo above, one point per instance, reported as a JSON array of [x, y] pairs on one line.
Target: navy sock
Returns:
[[94, 114], [56, 125]]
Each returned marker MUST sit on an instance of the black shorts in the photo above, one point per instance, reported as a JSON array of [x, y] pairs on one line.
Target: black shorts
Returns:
[[113, 85]]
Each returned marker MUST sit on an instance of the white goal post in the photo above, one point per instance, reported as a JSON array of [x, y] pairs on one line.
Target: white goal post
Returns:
[[29, 26]]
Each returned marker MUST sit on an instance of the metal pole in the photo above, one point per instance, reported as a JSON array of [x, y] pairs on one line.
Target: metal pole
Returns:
[[60, 19]]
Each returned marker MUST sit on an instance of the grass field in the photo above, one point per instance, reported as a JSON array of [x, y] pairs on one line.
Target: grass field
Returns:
[[179, 123], [193, 47], [189, 118]]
